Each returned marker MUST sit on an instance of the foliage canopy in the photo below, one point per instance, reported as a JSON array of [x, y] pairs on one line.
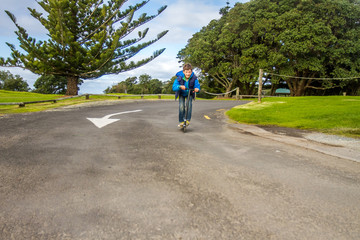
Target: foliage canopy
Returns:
[[145, 84], [12, 83], [311, 39], [50, 84]]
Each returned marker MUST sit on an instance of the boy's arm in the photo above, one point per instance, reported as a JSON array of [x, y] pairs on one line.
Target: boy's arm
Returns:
[[176, 85], [197, 84]]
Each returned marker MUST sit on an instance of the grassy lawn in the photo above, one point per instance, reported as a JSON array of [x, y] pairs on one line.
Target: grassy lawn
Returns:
[[10, 96], [332, 114]]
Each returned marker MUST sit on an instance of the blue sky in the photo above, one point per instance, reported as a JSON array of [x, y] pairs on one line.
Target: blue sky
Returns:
[[182, 18]]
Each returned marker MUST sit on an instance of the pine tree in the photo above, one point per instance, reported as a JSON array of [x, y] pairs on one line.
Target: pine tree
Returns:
[[87, 40]]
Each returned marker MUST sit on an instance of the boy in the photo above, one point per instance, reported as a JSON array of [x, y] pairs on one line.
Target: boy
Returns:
[[186, 80]]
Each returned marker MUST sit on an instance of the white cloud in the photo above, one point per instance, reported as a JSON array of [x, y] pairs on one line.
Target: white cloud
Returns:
[[190, 14], [32, 25], [163, 68], [183, 18], [19, 9]]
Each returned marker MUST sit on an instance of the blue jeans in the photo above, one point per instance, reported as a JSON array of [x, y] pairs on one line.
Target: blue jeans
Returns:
[[182, 102]]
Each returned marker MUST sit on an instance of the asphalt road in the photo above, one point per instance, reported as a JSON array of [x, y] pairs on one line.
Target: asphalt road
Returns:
[[62, 177]]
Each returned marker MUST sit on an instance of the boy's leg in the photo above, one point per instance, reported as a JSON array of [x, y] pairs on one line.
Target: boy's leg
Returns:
[[181, 108], [190, 109]]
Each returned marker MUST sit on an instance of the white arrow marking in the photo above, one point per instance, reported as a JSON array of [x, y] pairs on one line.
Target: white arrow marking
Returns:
[[102, 122]]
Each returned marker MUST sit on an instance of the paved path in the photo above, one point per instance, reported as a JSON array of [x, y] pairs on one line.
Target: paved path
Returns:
[[62, 177]]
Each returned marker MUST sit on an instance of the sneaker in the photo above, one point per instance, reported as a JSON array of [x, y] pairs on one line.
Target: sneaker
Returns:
[[187, 123], [181, 125]]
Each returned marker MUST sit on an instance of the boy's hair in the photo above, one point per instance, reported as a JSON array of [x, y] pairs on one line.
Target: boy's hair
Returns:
[[187, 66]]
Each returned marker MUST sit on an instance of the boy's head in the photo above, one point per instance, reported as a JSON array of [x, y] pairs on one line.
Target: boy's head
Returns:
[[187, 69]]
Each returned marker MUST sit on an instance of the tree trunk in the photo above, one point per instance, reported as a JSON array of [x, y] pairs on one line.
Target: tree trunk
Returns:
[[72, 85], [274, 86], [297, 87], [228, 89], [247, 88]]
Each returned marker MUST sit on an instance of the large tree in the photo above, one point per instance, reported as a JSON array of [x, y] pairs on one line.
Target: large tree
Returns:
[[88, 39], [204, 51], [305, 39], [319, 39]]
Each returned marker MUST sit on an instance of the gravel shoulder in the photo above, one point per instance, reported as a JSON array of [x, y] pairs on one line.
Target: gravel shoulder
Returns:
[[334, 145]]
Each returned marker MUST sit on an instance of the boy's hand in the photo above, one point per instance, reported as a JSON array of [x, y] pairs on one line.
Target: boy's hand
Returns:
[[196, 90], [182, 87]]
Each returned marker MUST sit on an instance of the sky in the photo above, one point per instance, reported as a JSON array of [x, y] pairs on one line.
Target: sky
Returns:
[[182, 18]]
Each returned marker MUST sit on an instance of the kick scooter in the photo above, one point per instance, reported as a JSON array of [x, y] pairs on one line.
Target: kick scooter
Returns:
[[187, 103]]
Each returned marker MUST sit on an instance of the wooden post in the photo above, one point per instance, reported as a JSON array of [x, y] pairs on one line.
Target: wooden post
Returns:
[[87, 97], [119, 97], [159, 96], [260, 85], [237, 93], [142, 97]]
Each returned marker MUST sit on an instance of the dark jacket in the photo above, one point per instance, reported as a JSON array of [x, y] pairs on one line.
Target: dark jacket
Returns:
[[192, 83]]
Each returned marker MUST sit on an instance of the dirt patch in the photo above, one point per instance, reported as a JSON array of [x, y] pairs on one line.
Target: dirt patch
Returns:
[[292, 132]]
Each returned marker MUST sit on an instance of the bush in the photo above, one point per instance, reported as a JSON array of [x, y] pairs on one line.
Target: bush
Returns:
[[12, 83]]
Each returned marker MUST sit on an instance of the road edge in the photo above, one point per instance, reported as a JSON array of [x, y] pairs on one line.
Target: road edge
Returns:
[[341, 147]]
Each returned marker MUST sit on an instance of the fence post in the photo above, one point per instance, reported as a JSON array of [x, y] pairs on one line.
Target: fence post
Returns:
[[237, 93], [260, 85], [87, 96], [159, 96]]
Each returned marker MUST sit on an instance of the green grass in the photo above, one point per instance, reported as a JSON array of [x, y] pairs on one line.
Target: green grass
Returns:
[[10, 96], [332, 114]]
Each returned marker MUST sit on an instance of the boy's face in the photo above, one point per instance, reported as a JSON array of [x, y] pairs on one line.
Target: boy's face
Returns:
[[187, 73]]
